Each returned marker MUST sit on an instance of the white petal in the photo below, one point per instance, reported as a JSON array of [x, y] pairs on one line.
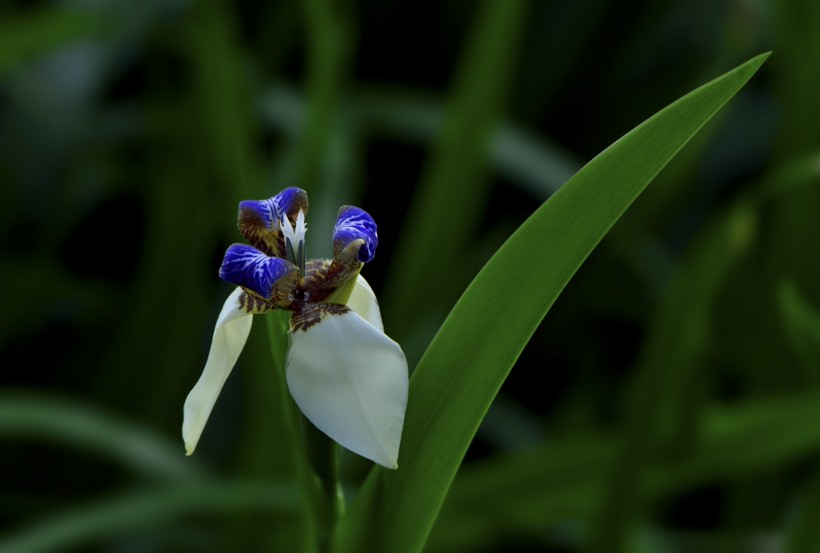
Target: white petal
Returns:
[[350, 380], [230, 335], [363, 301]]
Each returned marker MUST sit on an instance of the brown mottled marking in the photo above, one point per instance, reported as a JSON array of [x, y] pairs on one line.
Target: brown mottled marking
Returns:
[[312, 313], [325, 276], [322, 278], [254, 304], [268, 240]]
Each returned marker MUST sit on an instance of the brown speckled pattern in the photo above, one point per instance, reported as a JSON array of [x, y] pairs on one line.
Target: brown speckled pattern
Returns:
[[322, 278], [312, 313], [253, 228], [325, 276]]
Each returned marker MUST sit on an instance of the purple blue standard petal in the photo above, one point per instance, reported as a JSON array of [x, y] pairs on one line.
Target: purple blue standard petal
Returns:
[[288, 202], [259, 212], [260, 220], [354, 223], [252, 269]]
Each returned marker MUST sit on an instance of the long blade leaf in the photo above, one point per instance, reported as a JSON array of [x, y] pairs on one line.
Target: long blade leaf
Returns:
[[462, 370]]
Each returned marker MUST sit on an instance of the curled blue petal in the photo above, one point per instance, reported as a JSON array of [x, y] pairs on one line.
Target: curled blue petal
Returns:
[[288, 202], [259, 212], [353, 224], [260, 220], [252, 269], [267, 212]]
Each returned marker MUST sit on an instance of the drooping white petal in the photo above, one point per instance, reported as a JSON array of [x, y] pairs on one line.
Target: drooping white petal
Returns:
[[230, 335], [350, 380], [363, 301]]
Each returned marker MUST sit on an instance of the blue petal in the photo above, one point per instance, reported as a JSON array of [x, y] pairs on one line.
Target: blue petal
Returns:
[[260, 212], [288, 202], [352, 224], [259, 220], [250, 268]]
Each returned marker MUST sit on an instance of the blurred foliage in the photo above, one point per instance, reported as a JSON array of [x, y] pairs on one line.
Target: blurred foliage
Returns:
[[669, 400]]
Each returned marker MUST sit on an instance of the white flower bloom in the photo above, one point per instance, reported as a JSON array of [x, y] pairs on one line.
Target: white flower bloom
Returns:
[[347, 376]]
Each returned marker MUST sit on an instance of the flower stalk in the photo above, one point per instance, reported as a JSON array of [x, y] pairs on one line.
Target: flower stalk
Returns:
[[324, 455]]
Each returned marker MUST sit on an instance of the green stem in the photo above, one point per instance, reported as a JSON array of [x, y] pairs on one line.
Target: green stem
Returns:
[[323, 454], [288, 417], [327, 498]]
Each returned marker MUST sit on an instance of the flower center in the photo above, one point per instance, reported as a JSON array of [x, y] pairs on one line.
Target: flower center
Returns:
[[295, 240]]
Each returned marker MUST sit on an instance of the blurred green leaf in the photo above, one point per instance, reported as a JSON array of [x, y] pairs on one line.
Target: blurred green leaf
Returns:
[[27, 416], [664, 379], [525, 493], [464, 367], [224, 88], [664, 394], [453, 189], [802, 535], [328, 47], [566, 31], [535, 164], [797, 73], [25, 36], [122, 374], [134, 510], [801, 323], [522, 494], [41, 284], [730, 440], [792, 226]]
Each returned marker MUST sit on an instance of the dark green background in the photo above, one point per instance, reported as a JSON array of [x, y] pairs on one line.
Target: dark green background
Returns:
[[129, 132]]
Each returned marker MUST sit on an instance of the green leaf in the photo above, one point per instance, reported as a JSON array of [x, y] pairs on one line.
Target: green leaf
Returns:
[[134, 510], [454, 187], [224, 95], [801, 324], [796, 75], [464, 367], [524, 493], [22, 38], [663, 388], [27, 416], [535, 164], [802, 535], [661, 405]]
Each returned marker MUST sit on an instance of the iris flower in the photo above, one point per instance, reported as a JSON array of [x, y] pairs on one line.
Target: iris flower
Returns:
[[345, 374]]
